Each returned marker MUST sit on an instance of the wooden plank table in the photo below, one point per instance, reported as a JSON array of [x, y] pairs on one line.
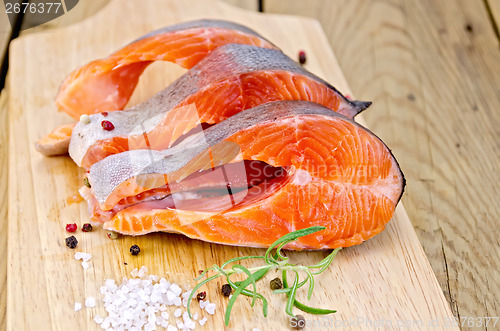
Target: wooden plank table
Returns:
[[433, 75], [5, 32]]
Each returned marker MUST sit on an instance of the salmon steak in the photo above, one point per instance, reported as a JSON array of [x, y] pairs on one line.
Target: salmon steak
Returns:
[[107, 84], [234, 77], [254, 177]]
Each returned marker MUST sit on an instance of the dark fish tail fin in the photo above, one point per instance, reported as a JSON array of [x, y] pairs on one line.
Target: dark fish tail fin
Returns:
[[361, 105]]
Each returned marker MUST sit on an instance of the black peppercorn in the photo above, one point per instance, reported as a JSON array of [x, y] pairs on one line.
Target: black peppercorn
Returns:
[[71, 242], [201, 296], [298, 322], [87, 227], [134, 250], [276, 284], [226, 290]]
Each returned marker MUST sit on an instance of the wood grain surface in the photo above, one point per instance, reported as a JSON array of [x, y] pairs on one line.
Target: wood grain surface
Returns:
[[432, 69], [5, 31], [493, 6], [4, 132], [357, 284]]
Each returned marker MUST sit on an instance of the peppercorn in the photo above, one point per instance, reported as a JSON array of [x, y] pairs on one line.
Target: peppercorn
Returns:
[[226, 290], [85, 119], [71, 227], [87, 227], [112, 235], [135, 250], [86, 182], [201, 296], [71, 242], [276, 284], [302, 57], [107, 125], [104, 113], [298, 322]]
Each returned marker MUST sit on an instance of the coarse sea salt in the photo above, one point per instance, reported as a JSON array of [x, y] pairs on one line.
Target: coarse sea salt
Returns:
[[90, 302], [210, 308], [85, 257], [98, 319], [143, 304], [177, 313], [78, 306]]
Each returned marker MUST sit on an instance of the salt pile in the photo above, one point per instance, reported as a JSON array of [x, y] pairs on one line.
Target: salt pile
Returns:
[[142, 304]]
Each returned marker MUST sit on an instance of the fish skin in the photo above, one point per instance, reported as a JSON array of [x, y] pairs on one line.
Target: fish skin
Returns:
[[203, 23], [227, 62], [352, 207], [107, 84]]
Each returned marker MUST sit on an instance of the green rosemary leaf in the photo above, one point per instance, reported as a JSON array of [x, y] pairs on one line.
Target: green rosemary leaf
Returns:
[[258, 274], [248, 293], [311, 310], [283, 279], [282, 290], [291, 237], [251, 278], [311, 283], [289, 289], [231, 302], [239, 259], [291, 295], [200, 284], [271, 258], [325, 263], [220, 270], [259, 296], [278, 251], [303, 307]]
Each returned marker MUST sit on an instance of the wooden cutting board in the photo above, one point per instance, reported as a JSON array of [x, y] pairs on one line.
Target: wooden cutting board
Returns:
[[385, 281]]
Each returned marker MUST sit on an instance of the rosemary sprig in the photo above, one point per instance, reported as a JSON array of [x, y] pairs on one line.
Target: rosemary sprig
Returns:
[[276, 261]]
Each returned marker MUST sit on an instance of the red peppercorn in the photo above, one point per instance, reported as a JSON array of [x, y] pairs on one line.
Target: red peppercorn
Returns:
[[71, 227], [107, 125], [302, 57], [201, 296], [104, 113], [87, 227]]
